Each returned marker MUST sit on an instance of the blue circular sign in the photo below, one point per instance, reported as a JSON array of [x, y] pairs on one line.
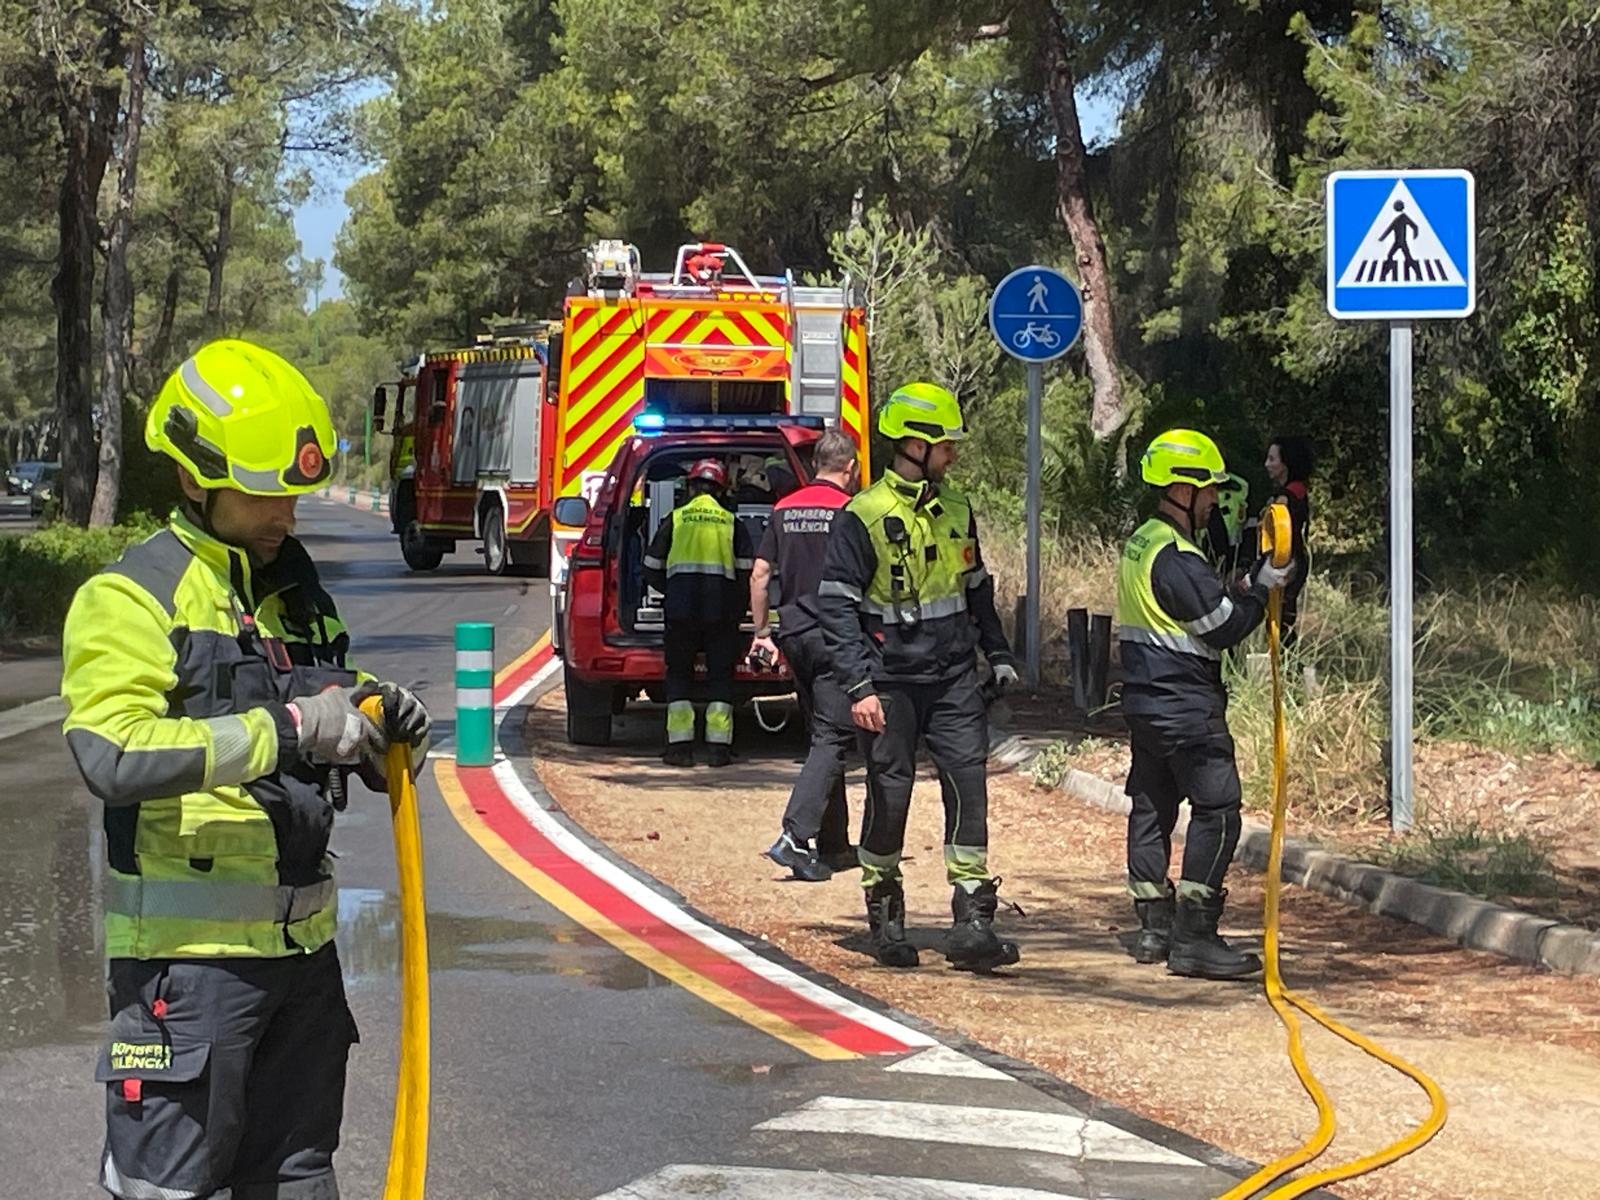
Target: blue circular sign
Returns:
[[1036, 314]]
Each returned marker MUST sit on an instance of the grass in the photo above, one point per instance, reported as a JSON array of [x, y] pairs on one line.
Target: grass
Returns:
[[1050, 766], [1498, 664], [1471, 858]]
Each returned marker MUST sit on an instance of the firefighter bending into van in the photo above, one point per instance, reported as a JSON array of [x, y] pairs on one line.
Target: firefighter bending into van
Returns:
[[905, 603], [1175, 619], [700, 559], [212, 710]]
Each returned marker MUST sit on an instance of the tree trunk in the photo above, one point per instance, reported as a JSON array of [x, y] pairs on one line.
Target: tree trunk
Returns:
[[87, 147], [117, 302], [217, 260], [156, 361], [1077, 214]]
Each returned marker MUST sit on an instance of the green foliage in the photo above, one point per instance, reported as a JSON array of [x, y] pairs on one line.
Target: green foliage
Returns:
[[1050, 766], [40, 573], [1469, 858]]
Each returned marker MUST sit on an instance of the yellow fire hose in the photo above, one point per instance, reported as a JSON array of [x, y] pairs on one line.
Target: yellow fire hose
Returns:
[[408, 1142], [1276, 539]]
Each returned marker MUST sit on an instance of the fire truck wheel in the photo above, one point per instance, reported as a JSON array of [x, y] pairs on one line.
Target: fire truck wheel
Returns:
[[420, 553], [496, 554], [588, 712]]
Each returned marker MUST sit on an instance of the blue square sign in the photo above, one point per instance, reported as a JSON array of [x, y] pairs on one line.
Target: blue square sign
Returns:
[[1401, 244]]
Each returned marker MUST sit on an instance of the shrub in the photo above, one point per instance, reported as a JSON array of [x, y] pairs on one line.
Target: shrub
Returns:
[[1469, 858], [40, 573]]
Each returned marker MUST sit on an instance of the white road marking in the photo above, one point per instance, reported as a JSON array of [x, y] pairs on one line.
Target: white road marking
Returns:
[[36, 714], [670, 914], [537, 680], [768, 1183], [957, 1124], [942, 1060]]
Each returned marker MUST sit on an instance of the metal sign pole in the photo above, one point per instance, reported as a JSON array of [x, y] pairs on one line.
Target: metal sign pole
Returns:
[[1400, 546], [1035, 475]]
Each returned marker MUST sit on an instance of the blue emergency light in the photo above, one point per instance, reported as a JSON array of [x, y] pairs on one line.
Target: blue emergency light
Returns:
[[652, 422]]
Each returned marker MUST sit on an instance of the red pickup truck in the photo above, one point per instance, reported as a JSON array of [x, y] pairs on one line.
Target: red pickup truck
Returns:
[[608, 625]]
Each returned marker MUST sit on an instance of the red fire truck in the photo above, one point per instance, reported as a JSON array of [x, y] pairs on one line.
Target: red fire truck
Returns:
[[510, 442], [656, 372], [466, 463]]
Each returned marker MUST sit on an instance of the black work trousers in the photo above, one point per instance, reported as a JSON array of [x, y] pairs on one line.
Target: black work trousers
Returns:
[[952, 718], [225, 1076], [817, 806], [1171, 765], [723, 645]]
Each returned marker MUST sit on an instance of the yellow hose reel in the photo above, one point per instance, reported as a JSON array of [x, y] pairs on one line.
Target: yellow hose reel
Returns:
[[1277, 541], [408, 1142], [1277, 533]]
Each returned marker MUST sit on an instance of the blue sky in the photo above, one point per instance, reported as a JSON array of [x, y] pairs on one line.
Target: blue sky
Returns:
[[318, 220]]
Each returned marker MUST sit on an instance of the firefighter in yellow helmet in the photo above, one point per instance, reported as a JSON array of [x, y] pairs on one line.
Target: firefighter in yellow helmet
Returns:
[[905, 605], [1175, 619], [213, 710]]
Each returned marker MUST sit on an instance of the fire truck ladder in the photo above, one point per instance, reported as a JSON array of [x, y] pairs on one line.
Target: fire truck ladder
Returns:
[[817, 319]]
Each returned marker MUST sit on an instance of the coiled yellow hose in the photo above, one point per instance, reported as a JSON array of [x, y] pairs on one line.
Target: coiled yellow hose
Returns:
[[408, 1141], [1276, 540]]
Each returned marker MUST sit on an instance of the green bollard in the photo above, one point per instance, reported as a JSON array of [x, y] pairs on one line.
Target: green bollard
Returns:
[[475, 694]]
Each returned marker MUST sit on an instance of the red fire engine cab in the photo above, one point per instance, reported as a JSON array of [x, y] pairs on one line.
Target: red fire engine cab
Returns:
[[467, 462]]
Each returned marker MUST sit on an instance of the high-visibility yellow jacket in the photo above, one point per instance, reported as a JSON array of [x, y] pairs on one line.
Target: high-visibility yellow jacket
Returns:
[[179, 660], [1174, 619], [905, 596], [700, 559]]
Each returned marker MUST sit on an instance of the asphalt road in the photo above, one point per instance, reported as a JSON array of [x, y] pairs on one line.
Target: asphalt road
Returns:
[[561, 1067], [15, 516]]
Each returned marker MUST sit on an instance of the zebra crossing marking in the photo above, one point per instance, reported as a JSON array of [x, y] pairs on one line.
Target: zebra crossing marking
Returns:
[[942, 1060], [773, 1183], [971, 1125]]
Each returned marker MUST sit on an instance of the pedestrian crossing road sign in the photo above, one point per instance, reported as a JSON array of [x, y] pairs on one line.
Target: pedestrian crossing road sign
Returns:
[[1401, 244]]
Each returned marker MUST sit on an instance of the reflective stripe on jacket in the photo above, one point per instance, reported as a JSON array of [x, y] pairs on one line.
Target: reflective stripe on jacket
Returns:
[[179, 661]]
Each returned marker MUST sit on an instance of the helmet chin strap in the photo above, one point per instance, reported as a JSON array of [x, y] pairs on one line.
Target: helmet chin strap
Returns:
[[1187, 509], [201, 513], [902, 450]]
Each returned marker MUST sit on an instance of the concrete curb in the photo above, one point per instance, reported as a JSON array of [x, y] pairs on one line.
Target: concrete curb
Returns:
[[1466, 920], [365, 499]]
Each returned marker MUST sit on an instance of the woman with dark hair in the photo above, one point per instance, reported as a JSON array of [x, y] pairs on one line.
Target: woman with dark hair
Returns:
[[1290, 459]]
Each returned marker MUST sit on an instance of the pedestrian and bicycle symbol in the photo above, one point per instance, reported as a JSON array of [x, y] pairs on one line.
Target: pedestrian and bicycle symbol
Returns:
[[1036, 314], [1401, 244]]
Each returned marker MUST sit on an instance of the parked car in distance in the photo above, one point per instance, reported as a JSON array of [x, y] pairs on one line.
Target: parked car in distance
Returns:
[[20, 477], [44, 488]]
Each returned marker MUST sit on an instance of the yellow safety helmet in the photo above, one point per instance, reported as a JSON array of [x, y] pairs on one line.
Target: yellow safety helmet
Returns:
[[239, 416], [922, 410], [1182, 456]]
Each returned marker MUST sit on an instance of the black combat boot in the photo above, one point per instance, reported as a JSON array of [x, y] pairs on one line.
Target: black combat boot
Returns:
[[886, 915], [1197, 949], [842, 859], [972, 944], [1155, 928], [718, 755], [678, 754]]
